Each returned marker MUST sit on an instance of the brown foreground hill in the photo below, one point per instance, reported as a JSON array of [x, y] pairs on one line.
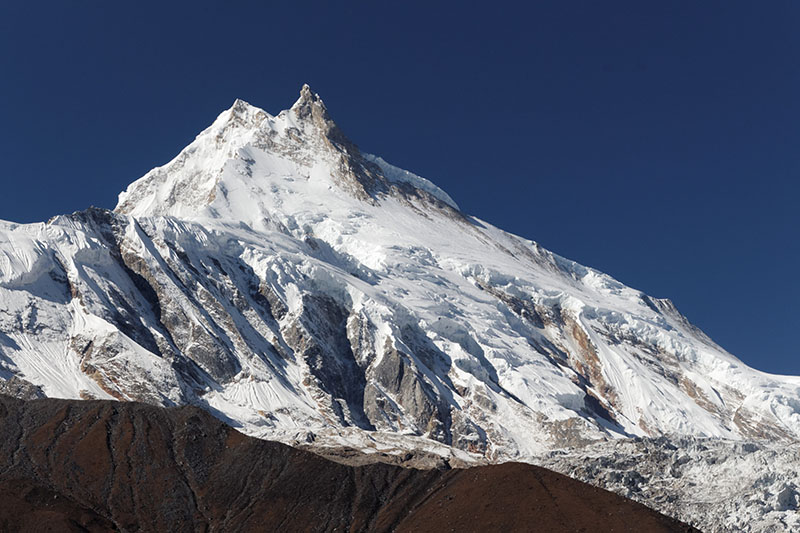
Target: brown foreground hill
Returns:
[[104, 466]]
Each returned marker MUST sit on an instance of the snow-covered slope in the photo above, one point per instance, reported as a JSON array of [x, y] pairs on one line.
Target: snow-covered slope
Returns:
[[303, 291]]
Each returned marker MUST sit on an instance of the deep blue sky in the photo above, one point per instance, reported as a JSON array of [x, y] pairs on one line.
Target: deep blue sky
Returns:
[[656, 141]]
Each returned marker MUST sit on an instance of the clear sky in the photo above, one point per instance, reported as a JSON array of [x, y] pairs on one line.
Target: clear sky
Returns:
[[656, 141]]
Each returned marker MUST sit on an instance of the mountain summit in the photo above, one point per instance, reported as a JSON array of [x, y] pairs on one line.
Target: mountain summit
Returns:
[[229, 170], [305, 292]]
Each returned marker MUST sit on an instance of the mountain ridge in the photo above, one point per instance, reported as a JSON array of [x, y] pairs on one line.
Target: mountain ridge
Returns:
[[104, 466], [291, 132]]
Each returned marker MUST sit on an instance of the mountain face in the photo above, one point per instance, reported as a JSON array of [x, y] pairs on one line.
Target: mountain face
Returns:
[[305, 292], [111, 466]]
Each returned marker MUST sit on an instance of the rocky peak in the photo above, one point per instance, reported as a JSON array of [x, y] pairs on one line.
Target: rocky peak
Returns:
[[310, 110], [307, 98], [240, 107], [241, 114]]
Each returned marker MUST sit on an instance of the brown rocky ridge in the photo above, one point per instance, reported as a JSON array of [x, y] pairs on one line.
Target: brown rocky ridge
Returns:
[[70, 465]]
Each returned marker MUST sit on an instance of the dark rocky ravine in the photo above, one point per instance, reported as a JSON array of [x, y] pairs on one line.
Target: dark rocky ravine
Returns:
[[100, 465]]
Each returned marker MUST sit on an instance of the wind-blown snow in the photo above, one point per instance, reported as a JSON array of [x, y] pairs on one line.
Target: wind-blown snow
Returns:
[[398, 175]]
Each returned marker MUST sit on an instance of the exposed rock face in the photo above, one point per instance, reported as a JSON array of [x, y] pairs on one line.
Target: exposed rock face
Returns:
[[19, 388], [103, 466]]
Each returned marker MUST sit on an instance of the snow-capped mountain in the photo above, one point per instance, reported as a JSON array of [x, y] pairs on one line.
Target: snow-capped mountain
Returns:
[[304, 291]]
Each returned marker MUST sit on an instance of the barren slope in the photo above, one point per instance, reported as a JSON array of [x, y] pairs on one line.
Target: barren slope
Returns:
[[98, 465]]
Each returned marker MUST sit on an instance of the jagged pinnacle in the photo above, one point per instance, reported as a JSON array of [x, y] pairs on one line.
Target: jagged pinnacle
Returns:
[[306, 94], [304, 106], [310, 107]]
